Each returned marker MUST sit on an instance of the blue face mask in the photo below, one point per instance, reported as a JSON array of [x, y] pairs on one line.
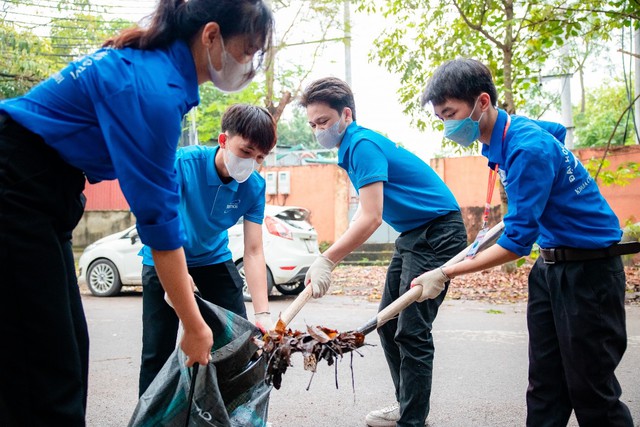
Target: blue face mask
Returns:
[[466, 131]]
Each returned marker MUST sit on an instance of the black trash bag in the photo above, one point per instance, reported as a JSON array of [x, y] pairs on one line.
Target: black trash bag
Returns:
[[229, 391]]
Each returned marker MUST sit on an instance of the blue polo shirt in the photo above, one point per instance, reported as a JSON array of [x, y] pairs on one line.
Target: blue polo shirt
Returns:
[[413, 193], [117, 114], [208, 207], [552, 197]]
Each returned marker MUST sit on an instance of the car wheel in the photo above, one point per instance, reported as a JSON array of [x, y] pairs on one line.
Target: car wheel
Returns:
[[103, 278], [245, 288], [293, 288]]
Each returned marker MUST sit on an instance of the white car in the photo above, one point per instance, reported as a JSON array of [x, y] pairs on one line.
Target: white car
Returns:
[[290, 246]]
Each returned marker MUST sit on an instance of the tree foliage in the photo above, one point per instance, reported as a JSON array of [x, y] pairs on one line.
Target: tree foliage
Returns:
[[518, 40], [595, 125], [213, 104], [621, 175], [296, 131], [76, 27], [306, 26], [82, 33], [25, 61]]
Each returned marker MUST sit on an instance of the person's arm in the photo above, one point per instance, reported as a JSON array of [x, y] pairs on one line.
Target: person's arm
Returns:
[[197, 339], [490, 257], [433, 282], [255, 266], [527, 200], [369, 218]]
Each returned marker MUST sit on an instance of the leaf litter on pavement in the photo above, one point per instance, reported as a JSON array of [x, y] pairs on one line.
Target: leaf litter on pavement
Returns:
[[493, 286]]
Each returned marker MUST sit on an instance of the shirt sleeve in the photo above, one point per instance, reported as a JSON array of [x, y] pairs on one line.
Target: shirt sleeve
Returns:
[[531, 172], [142, 132], [256, 211], [555, 129], [369, 164]]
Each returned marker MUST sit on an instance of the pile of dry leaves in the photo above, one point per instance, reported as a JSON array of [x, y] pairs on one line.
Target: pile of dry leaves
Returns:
[[493, 286]]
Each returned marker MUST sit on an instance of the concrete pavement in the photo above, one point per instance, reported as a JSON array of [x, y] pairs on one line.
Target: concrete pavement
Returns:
[[480, 372]]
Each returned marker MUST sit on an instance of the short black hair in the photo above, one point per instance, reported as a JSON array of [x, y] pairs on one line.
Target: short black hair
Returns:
[[332, 91], [463, 79], [253, 123]]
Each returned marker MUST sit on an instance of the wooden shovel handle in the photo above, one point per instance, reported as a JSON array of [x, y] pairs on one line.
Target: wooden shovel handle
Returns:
[[412, 295], [294, 308]]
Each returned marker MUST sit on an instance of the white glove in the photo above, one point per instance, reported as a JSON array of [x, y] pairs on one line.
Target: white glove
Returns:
[[432, 283], [263, 321], [319, 276]]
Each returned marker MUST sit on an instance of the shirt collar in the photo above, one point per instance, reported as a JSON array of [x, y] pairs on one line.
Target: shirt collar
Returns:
[[180, 53], [213, 179], [346, 141], [494, 150]]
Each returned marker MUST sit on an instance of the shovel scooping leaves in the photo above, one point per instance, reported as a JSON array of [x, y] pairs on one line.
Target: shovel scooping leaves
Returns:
[[320, 342], [316, 344]]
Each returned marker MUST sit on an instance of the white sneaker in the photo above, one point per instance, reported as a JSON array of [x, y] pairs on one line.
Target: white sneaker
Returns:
[[385, 417]]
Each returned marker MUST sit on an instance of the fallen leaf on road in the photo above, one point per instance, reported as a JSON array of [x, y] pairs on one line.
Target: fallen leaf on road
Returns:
[[493, 285]]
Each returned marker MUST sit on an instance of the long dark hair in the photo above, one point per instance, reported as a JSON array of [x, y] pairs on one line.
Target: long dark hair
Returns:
[[180, 19]]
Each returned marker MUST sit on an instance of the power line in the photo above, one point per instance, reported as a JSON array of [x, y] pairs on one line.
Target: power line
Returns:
[[61, 18], [53, 4]]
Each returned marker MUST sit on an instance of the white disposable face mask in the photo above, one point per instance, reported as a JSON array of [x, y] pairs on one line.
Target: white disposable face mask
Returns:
[[239, 169], [331, 136], [234, 75]]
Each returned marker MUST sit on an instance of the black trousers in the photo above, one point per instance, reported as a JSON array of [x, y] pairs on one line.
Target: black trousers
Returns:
[[45, 356], [577, 336], [219, 284], [407, 341]]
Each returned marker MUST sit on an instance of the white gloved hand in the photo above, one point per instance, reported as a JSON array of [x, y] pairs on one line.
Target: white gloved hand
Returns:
[[319, 276], [432, 283], [263, 321]]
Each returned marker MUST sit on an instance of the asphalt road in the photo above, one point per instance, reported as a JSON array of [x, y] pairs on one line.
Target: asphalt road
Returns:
[[480, 373]]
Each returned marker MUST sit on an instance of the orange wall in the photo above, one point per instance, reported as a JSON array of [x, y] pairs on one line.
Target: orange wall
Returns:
[[105, 196], [625, 201], [324, 190], [321, 188], [467, 179]]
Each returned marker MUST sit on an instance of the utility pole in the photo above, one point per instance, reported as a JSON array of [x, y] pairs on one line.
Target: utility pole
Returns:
[[565, 100], [567, 110], [347, 42], [636, 81]]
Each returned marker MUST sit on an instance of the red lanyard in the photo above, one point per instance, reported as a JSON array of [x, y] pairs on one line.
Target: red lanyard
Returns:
[[493, 174]]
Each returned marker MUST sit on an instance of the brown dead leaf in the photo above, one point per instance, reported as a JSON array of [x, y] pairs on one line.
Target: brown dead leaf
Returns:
[[493, 285]]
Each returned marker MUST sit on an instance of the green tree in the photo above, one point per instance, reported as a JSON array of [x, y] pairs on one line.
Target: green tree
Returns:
[[515, 38], [300, 24], [296, 131], [596, 124], [82, 33], [213, 104], [25, 61]]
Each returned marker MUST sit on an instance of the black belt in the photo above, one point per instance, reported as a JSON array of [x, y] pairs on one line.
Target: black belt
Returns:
[[551, 256]]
